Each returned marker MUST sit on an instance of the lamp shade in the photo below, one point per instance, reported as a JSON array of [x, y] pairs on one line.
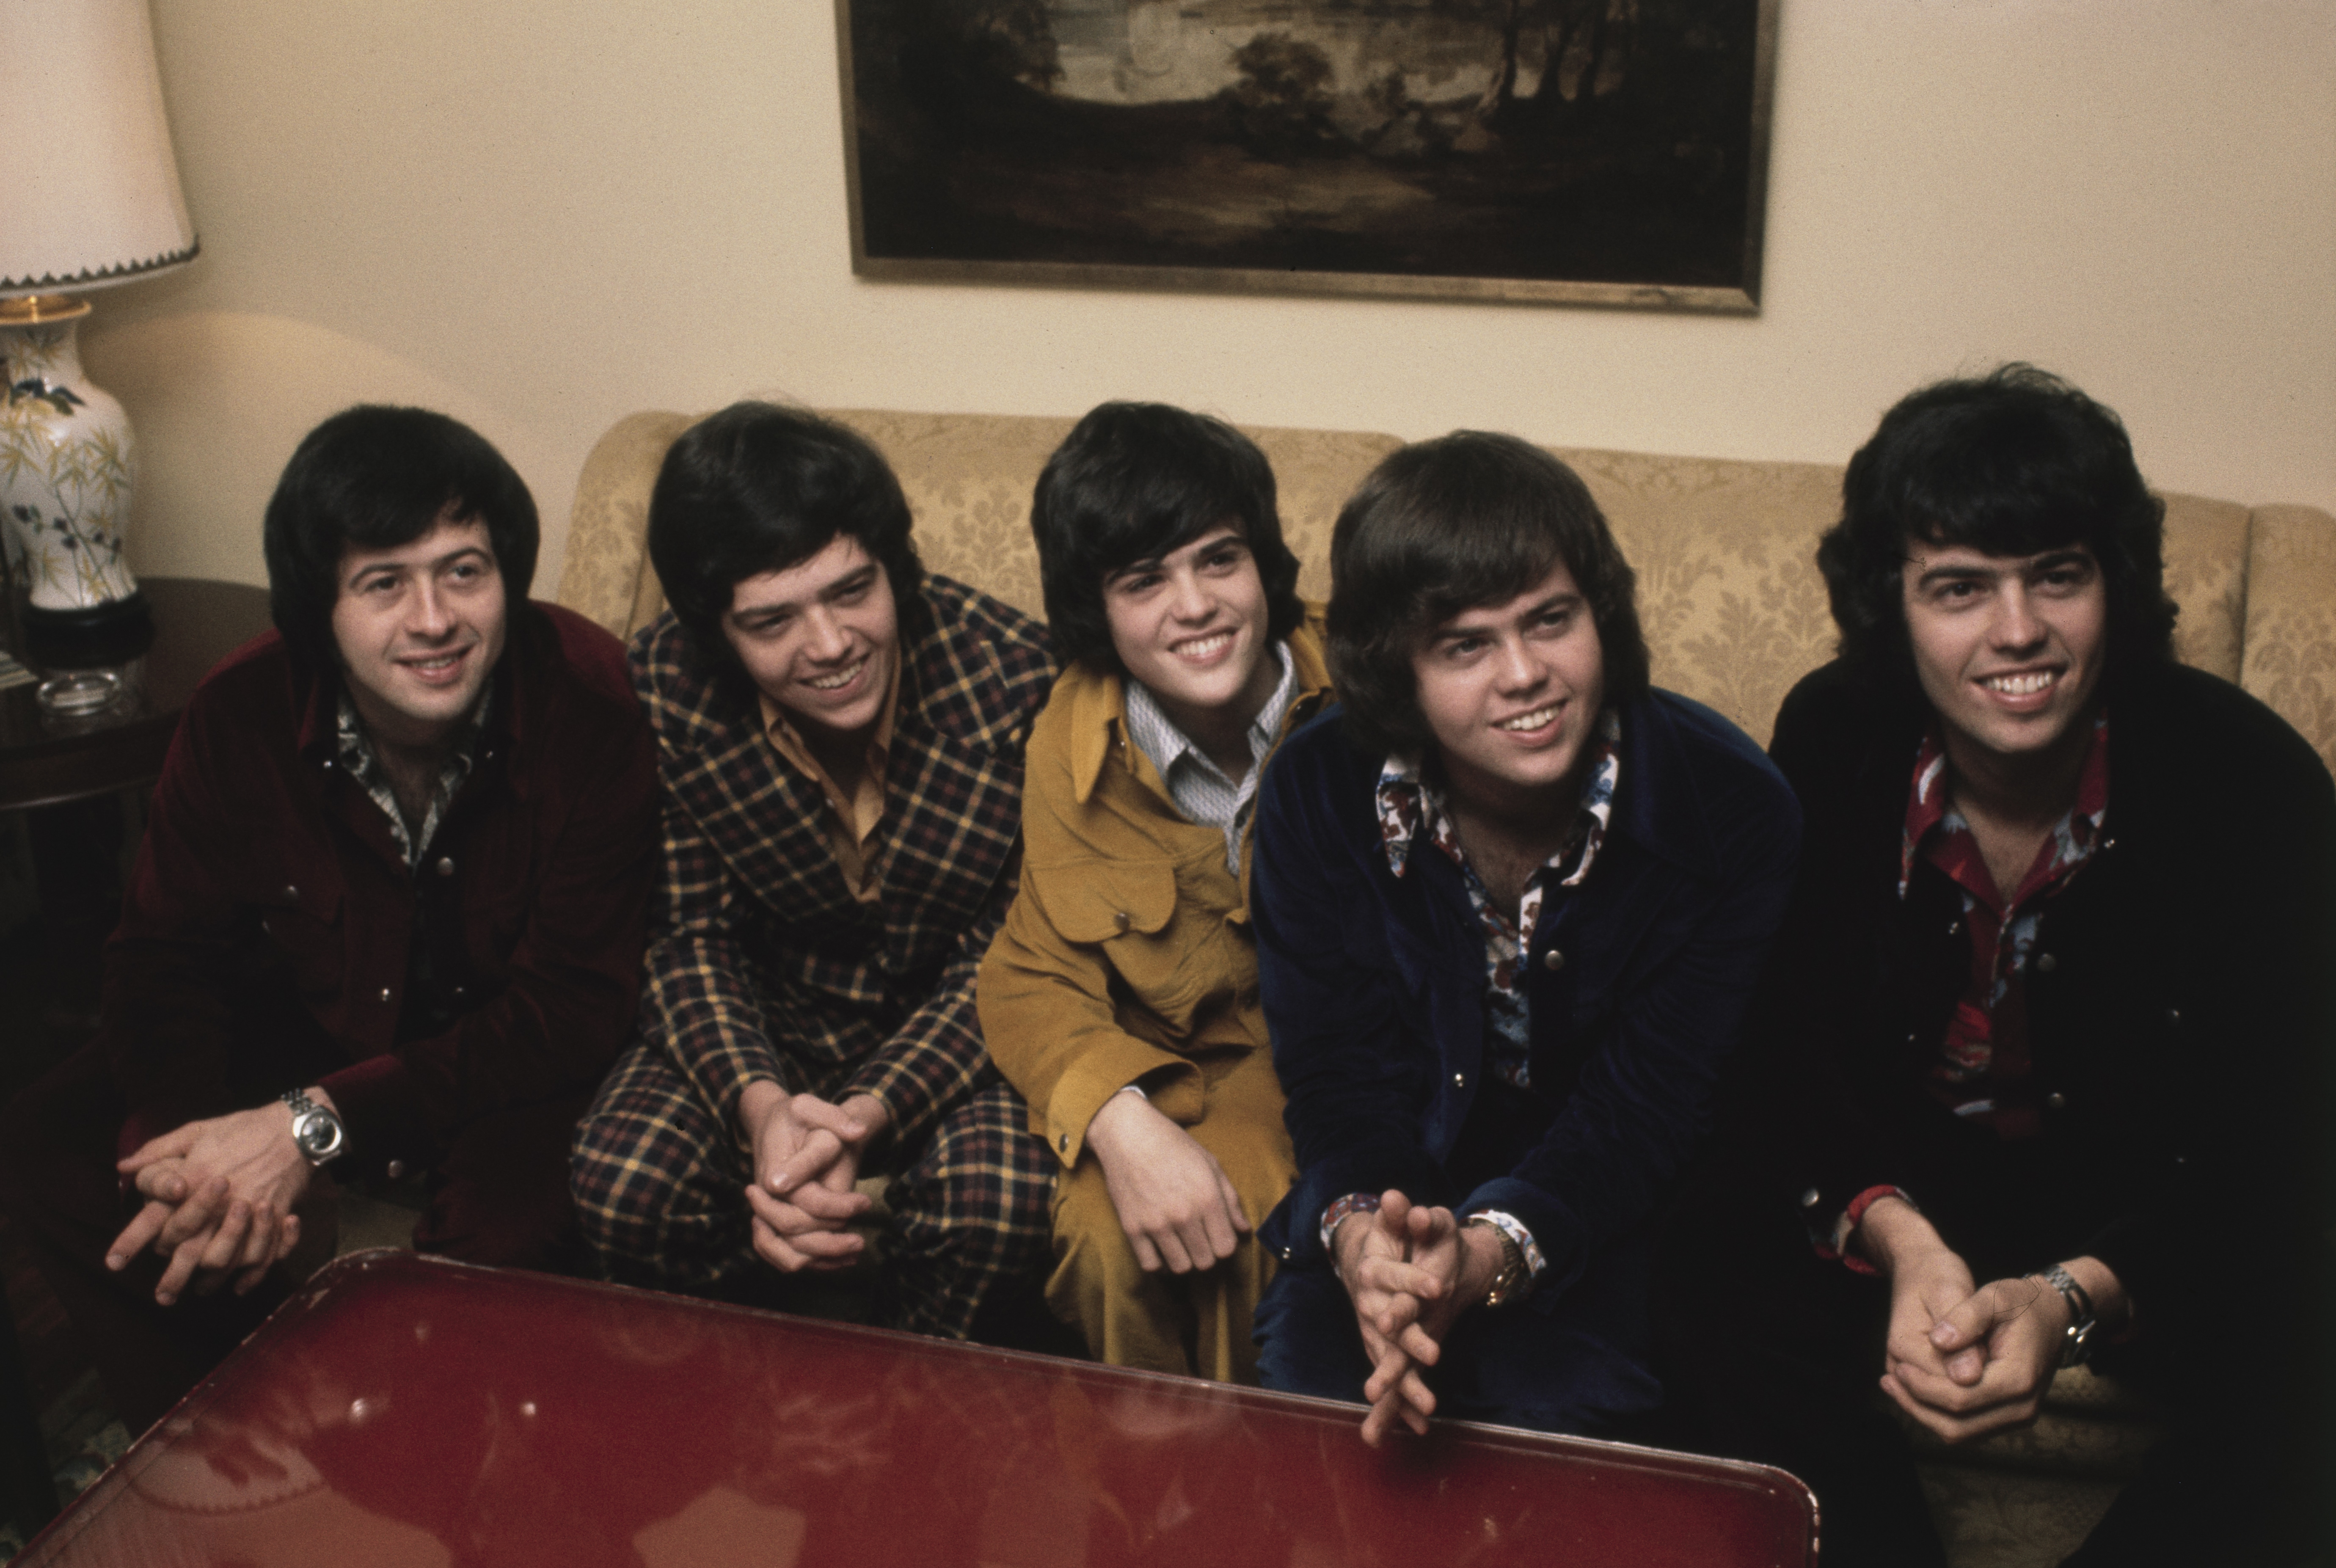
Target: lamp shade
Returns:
[[89, 194]]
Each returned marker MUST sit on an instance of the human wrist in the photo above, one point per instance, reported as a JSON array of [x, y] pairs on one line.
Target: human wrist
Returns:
[[1121, 1107], [756, 1102], [1893, 1234], [1484, 1257]]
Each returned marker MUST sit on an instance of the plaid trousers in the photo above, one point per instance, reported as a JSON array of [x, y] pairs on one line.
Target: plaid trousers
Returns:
[[660, 1190]]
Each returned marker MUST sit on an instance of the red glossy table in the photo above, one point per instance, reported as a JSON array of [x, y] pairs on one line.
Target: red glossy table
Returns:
[[406, 1410]]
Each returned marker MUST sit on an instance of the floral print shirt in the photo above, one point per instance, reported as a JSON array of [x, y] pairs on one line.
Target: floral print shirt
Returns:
[[1409, 801], [1981, 1068]]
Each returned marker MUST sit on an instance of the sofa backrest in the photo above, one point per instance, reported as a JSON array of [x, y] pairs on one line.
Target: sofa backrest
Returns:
[[1734, 608]]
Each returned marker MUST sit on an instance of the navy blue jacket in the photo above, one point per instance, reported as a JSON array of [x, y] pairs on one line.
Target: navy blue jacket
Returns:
[[1374, 984]]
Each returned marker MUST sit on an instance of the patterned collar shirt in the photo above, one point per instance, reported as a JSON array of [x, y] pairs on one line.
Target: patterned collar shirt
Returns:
[[1981, 1070], [354, 751], [1408, 801], [1198, 786]]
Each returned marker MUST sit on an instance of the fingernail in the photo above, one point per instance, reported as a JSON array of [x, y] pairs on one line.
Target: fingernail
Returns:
[[165, 1298], [116, 1261], [1941, 1333]]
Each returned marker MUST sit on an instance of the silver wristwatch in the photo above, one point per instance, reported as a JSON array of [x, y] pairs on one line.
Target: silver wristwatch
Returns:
[[316, 1130], [2078, 1344]]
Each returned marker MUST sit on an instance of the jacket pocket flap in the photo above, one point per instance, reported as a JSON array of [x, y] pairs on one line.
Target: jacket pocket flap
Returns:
[[1096, 901]]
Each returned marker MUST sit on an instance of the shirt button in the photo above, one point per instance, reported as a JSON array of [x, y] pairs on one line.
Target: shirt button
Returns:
[[396, 1170], [2173, 1015], [1459, 1080], [1809, 1199], [1063, 1143], [1288, 1253], [1553, 959], [291, 889], [2046, 963], [384, 993], [1119, 920], [2055, 1101], [445, 865]]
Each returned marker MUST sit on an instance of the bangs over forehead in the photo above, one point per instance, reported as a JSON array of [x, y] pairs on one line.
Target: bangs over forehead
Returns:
[[2002, 482], [1442, 527]]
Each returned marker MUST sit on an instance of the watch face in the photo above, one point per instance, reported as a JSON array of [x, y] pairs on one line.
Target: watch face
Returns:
[[318, 1134]]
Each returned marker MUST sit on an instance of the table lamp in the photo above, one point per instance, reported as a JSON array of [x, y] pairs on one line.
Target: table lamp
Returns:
[[88, 196]]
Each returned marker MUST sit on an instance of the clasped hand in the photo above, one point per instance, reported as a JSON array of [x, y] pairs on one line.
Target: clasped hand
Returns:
[[806, 1156], [1963, 1359], [1410, 1270], [220, 1198]]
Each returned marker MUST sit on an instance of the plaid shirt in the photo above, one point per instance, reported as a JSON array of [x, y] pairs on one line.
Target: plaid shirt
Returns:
[[762, 964]]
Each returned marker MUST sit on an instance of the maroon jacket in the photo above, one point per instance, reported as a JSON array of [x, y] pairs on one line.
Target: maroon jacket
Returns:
[[267, 936]]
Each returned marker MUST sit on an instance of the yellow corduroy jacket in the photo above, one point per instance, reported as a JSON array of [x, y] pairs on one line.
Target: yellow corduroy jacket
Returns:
[[1128, 948]]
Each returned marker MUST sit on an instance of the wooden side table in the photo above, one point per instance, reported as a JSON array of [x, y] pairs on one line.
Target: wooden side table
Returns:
[[46, 760]]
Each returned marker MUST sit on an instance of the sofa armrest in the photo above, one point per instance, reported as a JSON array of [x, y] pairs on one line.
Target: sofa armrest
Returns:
[[2290, 655]]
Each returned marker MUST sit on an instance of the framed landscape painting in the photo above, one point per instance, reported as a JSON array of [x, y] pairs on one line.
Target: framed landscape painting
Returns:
[[1571, 151]]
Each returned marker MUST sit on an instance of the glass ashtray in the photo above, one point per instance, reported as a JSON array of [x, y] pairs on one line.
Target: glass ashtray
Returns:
[[78, 692]]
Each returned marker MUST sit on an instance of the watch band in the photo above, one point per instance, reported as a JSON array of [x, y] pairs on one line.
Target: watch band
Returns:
[[2078, 1344], [1513, 1281]]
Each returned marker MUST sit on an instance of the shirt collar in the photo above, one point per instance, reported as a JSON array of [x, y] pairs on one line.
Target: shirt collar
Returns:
[[1167, 744], [1408, 801], [788, 739], [1097, 703], [1927, 808]]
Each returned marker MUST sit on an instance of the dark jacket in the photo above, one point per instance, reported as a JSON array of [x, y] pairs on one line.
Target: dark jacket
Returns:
[[269, 927], [2179, 998], [762, 963], [1374, 984]]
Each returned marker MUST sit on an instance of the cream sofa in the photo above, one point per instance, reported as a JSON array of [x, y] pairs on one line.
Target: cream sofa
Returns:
[[1735, 613]]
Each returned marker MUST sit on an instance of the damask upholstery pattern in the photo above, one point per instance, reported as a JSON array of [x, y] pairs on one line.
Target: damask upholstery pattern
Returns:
[[2291, 620], [968, 479], [1734, 608]]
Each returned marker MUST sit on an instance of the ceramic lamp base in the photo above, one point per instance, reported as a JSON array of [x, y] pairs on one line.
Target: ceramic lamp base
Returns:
[[66, 466]]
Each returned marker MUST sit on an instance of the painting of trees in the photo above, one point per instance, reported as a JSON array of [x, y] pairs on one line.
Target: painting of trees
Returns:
[[1605, 151]]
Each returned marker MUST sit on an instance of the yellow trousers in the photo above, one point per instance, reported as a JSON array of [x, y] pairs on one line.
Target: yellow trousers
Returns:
[[1196, 1323]]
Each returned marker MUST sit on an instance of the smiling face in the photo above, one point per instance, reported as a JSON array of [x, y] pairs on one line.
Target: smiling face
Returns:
[[2008, 648], [1192, 627], [1512, 693], [419, 629], [819, 637]]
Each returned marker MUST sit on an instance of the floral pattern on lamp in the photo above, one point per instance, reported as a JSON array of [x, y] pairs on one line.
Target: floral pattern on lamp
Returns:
[[67, 465]]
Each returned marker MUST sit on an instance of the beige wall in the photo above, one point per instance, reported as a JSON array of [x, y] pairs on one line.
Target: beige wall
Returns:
[[541, 214]]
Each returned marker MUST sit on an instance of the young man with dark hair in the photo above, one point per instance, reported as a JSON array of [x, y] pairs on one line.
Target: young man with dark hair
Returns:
[[2040, 1070], [1510, 906], [386, 919], [840, 737], [1120, 998]]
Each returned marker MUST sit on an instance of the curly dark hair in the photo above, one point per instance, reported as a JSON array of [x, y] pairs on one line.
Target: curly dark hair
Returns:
[[760, 488], [375, 477], [1442, 526], [1133, 481], [2013, 463]]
